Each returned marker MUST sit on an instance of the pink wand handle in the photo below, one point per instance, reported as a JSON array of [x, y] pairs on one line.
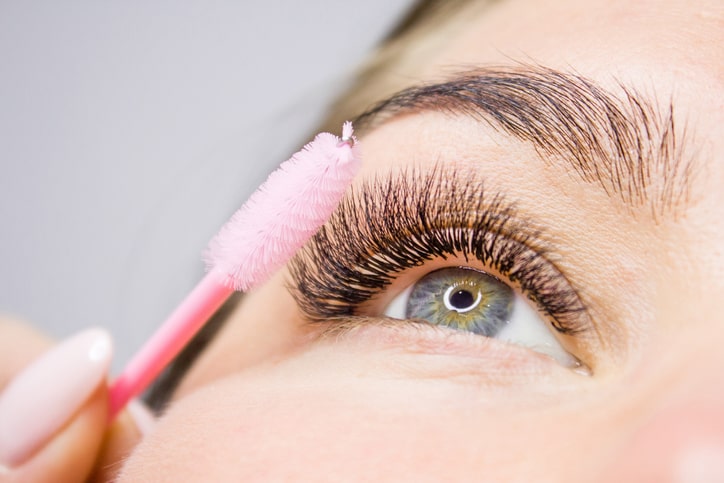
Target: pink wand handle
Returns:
[[168, 341]]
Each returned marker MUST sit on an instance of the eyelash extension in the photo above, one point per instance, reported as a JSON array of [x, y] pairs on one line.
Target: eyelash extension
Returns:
[[399, 221]]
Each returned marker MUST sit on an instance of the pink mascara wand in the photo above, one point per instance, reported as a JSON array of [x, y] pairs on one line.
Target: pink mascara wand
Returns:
[[279, 217]]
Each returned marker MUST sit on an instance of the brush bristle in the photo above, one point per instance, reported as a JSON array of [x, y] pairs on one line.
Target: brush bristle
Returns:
[[284, 212]]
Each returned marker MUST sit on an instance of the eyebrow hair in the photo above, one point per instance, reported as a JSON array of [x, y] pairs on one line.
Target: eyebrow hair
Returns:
[[624, 143]]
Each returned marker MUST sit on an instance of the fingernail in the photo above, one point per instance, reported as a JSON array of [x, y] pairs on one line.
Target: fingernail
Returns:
[[42, 398]]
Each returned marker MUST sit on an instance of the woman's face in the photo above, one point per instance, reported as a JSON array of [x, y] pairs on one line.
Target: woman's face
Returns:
[[589, 205]]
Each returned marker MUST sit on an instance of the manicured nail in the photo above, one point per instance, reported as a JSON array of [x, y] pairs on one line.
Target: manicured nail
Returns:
[[41, 399]]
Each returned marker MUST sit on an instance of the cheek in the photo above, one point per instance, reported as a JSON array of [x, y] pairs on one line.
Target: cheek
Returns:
[[297, 421], [298, 434], [258, 330]]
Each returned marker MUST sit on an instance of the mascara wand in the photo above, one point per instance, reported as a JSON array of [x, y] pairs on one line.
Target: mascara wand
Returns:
[[277, 220]]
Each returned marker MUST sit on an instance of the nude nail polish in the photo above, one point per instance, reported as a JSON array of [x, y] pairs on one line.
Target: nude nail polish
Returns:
[[41, 399]]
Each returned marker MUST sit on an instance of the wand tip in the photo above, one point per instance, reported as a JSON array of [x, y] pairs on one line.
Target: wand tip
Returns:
[[347, 134]]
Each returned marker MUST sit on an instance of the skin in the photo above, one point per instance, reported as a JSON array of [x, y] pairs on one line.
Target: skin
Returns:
[[271, 401]]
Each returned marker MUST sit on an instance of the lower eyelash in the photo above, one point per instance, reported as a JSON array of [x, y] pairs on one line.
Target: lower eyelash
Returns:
[[403, 220]]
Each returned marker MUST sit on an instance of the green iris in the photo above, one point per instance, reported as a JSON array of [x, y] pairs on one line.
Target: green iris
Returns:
[[461, 298]]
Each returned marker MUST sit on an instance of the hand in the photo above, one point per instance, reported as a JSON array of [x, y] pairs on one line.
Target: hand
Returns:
[[53, 408]]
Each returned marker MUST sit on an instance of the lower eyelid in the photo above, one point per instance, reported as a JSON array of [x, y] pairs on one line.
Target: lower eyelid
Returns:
[[446, 352]]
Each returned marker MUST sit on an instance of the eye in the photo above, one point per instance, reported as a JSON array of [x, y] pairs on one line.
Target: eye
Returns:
[[471, 300]]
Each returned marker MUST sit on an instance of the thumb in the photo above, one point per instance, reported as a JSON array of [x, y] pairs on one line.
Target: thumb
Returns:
[[53, 412]]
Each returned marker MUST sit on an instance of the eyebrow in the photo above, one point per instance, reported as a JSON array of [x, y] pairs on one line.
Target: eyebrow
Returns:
[[624, 143]]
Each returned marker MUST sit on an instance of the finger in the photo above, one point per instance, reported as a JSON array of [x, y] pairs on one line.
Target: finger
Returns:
[[52, 414], [20, 344], [70, 455]]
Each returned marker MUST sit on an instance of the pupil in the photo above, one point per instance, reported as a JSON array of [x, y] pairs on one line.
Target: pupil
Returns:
[[461, 299]]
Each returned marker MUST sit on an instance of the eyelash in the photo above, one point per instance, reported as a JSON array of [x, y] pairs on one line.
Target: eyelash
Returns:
[[402, 221]]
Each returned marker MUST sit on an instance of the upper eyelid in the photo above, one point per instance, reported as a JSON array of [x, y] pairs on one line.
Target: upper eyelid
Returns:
[[327, 277]]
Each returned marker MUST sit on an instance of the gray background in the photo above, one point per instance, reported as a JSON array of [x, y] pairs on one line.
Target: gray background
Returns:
[[130, 131]]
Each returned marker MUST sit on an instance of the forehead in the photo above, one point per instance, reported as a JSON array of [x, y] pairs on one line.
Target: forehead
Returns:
[[582, 34]]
